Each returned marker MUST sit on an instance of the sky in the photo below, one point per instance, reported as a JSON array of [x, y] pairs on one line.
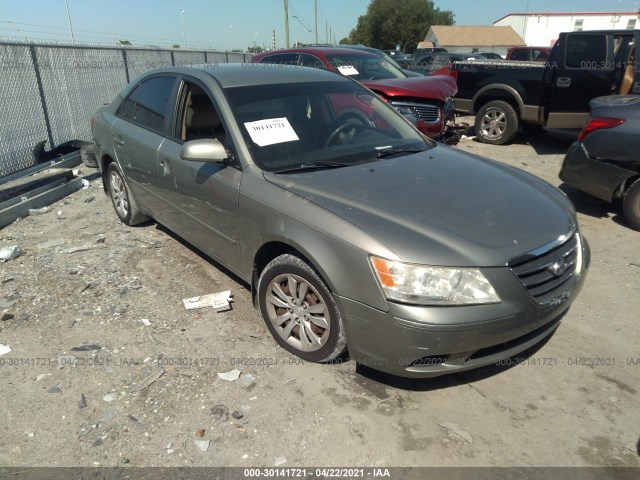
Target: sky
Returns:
[[224, 24]]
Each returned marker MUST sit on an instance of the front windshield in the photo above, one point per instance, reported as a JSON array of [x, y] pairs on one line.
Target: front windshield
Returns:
[[360, 67], [310, 123]]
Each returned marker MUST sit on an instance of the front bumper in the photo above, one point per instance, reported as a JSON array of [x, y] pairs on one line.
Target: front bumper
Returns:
[[418, 341]]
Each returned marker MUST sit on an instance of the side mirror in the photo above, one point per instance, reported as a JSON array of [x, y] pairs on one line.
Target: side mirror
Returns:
[[204, 150]]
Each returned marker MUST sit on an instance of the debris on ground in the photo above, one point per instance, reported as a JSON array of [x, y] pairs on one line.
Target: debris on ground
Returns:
[[200, 433], [155, 375], [4, 349], [38, 211], [9, 253], [82, 403], [220, 301], [246, 380], [280, 461], [86, 347], [457, 430], [231, 375], [220, 412], [203, 445]]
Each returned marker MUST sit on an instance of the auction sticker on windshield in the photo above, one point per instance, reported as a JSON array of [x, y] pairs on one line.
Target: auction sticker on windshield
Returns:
[[271, 131], [348, 70]]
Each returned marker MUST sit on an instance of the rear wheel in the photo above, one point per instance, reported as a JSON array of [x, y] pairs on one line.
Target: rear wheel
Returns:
[[123, 203], [631, 205], [299, 310], [496, 123]]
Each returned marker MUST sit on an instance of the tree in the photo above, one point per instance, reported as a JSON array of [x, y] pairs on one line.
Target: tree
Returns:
[[391, 22]]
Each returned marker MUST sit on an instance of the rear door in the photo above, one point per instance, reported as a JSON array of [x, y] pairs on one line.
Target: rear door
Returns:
[[584, 68], [141, 123]]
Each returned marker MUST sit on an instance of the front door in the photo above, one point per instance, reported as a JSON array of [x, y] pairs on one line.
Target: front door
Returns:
[[585, 69], [201, 198]]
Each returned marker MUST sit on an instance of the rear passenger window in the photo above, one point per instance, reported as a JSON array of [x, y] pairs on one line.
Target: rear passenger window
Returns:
[[307, 60], [586, 51], [148, 103], [281, 59], [520, 55]]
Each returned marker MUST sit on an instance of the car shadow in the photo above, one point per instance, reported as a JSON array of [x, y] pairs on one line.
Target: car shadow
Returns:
[[543, 142], [594, 207], [367, 374], [204, 256]]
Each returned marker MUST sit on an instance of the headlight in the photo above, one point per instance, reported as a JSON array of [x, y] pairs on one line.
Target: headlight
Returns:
[[426, 285], [403, 109]]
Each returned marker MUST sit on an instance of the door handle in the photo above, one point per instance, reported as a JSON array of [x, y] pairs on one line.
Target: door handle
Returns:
[[118, 140], [563, 82]]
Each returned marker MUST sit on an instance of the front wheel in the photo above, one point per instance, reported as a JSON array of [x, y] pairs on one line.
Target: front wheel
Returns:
[[631, 206], [496, 123], [299, 310]]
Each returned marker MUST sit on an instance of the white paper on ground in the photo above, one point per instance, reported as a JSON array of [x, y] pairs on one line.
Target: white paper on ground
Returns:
[[219, 301], [271, 131], [4, 349]]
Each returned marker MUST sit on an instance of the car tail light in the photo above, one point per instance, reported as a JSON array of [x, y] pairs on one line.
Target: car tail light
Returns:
[[598, 123]]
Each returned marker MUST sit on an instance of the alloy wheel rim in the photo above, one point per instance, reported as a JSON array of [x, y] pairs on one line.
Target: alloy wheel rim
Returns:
[[298, 312], [119, 195], [494, 123]]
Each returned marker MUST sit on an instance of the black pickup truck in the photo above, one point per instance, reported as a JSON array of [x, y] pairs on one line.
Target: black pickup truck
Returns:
[[504, 95]]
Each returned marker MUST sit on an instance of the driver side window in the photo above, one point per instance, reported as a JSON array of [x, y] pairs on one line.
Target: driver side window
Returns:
[[199, 117]]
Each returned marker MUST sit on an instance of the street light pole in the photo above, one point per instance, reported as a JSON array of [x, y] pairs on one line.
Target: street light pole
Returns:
[[73, 40], [230, 47], [182, 12]]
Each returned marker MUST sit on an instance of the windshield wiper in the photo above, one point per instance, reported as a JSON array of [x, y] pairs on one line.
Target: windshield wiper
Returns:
[[387, 152], [313, 166]]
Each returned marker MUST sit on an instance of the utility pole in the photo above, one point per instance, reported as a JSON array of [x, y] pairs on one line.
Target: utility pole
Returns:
[[73, 40], [315, 11], [326, 31], [286, 24]]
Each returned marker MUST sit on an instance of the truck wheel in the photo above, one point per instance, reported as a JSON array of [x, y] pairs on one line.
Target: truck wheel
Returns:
[[496, 123], [631, 206]]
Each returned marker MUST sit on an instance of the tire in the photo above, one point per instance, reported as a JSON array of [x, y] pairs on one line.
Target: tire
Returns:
[[311, 327], [123, 203], [631, 205], [88, 156], [496, 123]]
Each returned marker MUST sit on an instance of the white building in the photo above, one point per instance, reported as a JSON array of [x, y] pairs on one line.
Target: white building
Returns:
[[542, 29]]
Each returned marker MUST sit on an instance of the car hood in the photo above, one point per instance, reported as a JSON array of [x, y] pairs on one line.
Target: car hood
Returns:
[[441, 207], [437, 87]]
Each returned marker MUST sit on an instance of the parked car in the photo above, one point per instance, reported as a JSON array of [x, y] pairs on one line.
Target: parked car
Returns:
[[604, 161], [491, 55], [554, 94], [420, 259], [529, 54], [388, 58], [429, 100], [436, 61]]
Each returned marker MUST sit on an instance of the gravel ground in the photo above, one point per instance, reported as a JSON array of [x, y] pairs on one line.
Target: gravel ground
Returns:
[[108, 368]]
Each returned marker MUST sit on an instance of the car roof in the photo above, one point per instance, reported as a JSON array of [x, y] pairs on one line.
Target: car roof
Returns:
[[321, 50], [249, 74]]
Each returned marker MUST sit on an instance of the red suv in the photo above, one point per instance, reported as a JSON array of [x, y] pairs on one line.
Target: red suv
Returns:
[[428, 99]]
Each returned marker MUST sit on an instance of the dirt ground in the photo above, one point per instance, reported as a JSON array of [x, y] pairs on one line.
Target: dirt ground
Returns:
[[108, 368]]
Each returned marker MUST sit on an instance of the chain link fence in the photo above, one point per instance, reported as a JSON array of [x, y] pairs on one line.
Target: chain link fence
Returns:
[[49, 92]]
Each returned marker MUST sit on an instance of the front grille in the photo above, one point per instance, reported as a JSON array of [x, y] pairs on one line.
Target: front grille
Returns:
[[428, 113], [546, 275]]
